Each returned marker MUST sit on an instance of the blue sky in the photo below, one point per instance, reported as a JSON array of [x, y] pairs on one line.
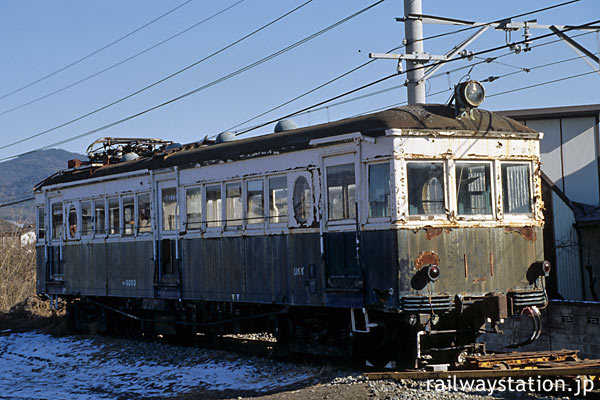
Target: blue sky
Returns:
[[39, 37]]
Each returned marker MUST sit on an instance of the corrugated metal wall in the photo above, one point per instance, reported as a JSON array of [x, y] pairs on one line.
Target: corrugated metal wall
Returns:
[[568, 264]]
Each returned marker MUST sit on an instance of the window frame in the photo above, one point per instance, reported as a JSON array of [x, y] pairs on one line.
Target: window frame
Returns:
[[332, 160], [104, 201], [60, 237], [448, 192], [517, 216], [137, 231], [224, 208], [221, 221], [245, 214], [184, 208], [41, 209], [268, 216], [493, 192], [92, 215], [120, 214], [390, 187]]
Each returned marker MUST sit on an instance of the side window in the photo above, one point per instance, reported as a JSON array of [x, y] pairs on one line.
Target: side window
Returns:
[[473, 189], [425, 181], [233, 192], [193, 206], [213, 206], [72, 221], [41, 223], [99, 217], [86, 218], [128, 215], [255, 201], [143, 222], [57, 220], [114, 222], [341, 192], [516, 188], [379, 190], [278, 200], [301, 200], [169, 208]]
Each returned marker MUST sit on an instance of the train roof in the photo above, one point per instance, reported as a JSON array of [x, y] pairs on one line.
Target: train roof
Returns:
[[419, 117]]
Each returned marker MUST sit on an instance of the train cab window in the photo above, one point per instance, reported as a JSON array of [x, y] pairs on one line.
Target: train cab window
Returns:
[[86, 218], [128, 215], [169, 208], [301, 200], [233, 192], [193, 206], [425, 182], [99, 217], [114, 221], [341, 192], [516, 188], [57, 220], [41, 223], [379, 190], [473, 189], [143, 222], [278, 200], [213, 206], [255, 201]]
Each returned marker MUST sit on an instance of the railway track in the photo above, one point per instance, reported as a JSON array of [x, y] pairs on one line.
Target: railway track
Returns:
[[580, 376]]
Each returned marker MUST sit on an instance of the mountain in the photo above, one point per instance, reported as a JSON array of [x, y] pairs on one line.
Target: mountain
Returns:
[[19, 175]]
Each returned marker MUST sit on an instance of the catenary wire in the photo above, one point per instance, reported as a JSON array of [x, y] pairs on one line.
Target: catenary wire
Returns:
[[95, 51], [125, 60], [389, 51], [484, 61], [413, 69], [320, 86], [17, 201], [302, 110], [157, 82]]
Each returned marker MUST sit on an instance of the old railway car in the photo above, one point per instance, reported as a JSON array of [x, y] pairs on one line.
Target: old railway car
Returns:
[[393, 235]]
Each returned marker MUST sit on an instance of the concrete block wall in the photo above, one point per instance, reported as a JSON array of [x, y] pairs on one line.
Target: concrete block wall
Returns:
[[565, 325]]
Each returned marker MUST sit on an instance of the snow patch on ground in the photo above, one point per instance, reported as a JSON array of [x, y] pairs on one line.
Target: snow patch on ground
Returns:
[[35, 365]]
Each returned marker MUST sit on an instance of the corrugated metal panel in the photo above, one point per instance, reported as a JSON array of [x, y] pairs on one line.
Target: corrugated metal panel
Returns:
[[568, 266]]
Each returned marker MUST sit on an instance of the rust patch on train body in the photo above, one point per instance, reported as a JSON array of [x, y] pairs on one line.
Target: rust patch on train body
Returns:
[[433, 232], [526, 231], [426, 258]]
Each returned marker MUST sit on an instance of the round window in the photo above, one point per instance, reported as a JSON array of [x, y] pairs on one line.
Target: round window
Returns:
[[302, 200]]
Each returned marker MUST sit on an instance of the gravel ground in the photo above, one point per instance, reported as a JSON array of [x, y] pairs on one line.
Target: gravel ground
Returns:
[[38, 361]]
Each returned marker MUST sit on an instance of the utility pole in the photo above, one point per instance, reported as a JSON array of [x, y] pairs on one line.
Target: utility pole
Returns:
[[416, 58], [413, 33]]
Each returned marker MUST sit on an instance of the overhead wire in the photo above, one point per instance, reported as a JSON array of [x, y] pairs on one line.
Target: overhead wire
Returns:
[[95, 51], [413, 69], [498, 77], [483, 61], [203, 87], [389, 51], [443, 91], [12, 203], [120, 100], [304, 109], [125, 60]]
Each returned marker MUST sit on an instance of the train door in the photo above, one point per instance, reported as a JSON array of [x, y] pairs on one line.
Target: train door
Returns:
[[168, 271], [340, 235]]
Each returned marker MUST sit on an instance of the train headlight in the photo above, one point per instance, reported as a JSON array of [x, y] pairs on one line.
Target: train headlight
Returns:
[[546, 267], [470, 94], [433, 273]]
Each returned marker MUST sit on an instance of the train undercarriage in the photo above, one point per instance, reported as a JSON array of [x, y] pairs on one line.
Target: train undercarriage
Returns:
[[397, 339]]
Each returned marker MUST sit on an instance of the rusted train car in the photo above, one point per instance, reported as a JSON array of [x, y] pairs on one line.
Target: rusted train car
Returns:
[[395, 235]]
